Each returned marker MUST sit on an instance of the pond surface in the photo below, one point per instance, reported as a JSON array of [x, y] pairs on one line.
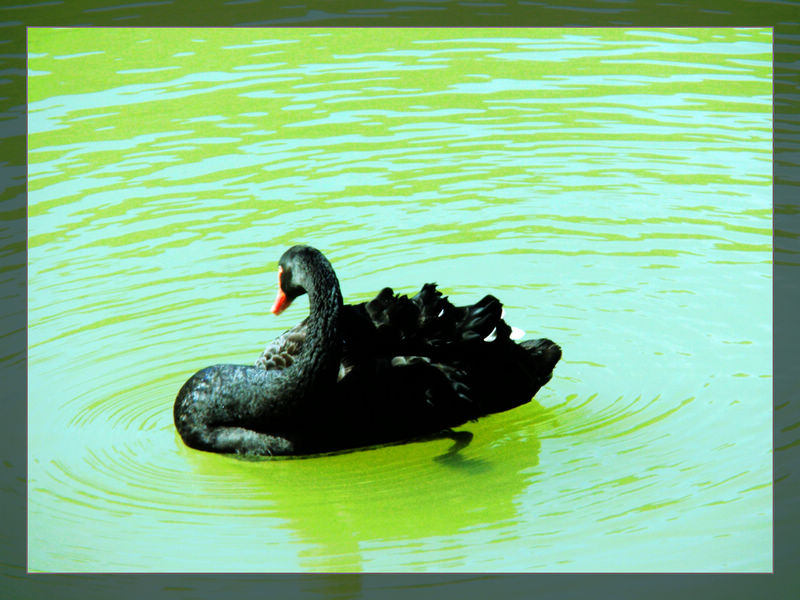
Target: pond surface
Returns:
[[612, 187]]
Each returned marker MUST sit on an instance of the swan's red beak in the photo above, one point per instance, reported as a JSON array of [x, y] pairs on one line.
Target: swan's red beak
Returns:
[[281, 302]]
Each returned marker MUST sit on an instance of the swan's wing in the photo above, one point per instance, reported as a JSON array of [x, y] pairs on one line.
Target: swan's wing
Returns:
[[411, 394], [425, 360], [426, 325], [442, 322], [281, 352], [429, 319], [442, 384]]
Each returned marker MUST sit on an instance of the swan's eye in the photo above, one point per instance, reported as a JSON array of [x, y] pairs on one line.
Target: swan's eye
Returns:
[[285, 282], [284, 278]]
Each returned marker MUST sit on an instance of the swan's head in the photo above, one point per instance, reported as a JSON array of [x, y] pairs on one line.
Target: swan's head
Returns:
[[300, 270]]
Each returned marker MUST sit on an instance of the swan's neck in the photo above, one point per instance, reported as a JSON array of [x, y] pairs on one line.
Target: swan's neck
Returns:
[[317, 364], [322, 349]]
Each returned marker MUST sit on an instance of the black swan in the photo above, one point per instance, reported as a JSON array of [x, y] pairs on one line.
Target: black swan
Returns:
[[348, 376]]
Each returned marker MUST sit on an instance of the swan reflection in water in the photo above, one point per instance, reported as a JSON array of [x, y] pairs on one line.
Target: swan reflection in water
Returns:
[[350, 376]]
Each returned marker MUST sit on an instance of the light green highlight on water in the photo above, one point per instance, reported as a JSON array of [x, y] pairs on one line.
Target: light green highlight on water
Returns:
[[611, 186]]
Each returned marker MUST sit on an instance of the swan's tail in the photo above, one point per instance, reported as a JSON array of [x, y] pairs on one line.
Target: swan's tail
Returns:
[[544, 354]]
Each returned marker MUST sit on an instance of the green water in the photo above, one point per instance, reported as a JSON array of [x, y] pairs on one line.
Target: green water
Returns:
[[612, 187]]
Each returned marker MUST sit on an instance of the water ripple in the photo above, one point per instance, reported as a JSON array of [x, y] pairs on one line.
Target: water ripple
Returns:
[[612, 187]]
